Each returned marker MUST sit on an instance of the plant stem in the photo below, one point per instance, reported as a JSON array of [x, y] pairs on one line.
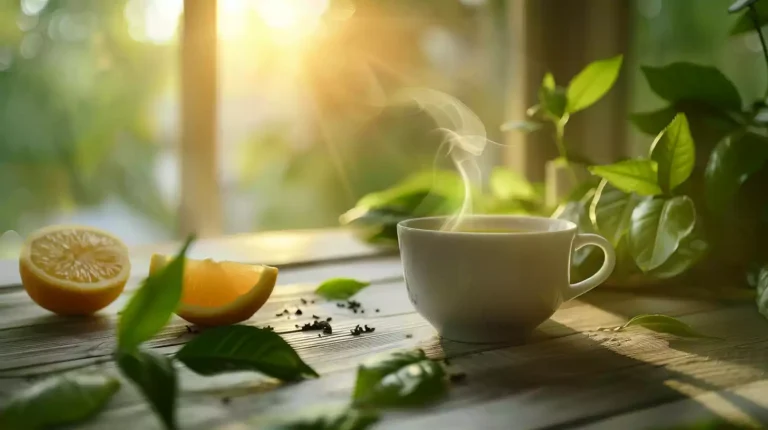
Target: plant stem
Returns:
[[560, 142], [759, 29]]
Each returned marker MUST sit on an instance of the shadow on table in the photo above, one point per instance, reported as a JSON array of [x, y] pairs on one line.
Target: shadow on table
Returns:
[[572, 380]]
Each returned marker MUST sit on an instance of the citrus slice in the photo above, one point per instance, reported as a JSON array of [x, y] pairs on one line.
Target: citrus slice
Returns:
[[220, 293], [73, 270]]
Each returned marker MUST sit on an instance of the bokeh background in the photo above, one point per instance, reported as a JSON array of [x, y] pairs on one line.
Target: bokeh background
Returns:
[[90, 103]]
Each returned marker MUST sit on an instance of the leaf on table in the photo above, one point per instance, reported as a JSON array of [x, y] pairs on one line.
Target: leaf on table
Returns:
[[399, 379], [611, 211], [653, 122], [592, 83], [733, 161], [681, 82], [340, 288], [56, 401], [151, 307], [328, 418], [675, 153], [665, 324], [506, 184], [744, 23], [521, 126], [658, 226], [155, 377], [239, 348], [631, 176]]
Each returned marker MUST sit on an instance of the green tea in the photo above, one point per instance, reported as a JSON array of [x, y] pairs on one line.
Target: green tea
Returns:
[[470, 229]]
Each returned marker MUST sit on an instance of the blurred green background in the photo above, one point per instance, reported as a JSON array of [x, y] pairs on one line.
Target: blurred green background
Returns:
[[89, 103]]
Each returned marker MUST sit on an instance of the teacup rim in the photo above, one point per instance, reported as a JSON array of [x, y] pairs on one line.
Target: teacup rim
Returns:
[[570, 226]]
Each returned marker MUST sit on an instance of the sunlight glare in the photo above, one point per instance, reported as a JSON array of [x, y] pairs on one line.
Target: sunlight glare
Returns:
[[294, 16]]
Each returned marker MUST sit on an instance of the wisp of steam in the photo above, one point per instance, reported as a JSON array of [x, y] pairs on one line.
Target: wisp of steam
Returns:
[[463, 134]]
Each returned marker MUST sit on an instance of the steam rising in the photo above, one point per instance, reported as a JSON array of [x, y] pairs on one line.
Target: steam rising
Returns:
[[463, 134]]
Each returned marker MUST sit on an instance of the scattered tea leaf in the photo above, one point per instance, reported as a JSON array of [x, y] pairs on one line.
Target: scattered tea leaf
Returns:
[[154, 375], [658, 226], [631, 176], [674, 153], [65, 399], [665, 324], [238, 348], [399, 379], [340, 288], [151, 307], [592, 83], [346, 418]]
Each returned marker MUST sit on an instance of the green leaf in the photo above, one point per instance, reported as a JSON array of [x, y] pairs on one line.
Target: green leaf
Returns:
[[399, 379], [653, 122], [762, 291], [521, 126], [691, 250], [507, 185], [340, 288], [682, 81], [732, 162], [552, 99], [658, 226], [665, 324], [744, 23], [65, 399], [611, 211], [740, 5], [347, 418], [238, 348], [675, 154], [154, 375], [151, 307], [592, 83], [631, 176]]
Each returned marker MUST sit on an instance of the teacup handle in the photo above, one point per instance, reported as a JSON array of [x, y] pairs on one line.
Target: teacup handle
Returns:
[[579, 288]]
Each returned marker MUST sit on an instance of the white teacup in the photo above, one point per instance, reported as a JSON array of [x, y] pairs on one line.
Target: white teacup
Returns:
[[498, 281]]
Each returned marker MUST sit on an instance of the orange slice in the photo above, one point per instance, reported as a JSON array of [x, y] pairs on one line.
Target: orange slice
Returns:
[[73, 270], [220, 293]]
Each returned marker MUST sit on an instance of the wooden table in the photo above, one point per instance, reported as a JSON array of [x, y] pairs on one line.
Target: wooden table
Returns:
[[570, 375]]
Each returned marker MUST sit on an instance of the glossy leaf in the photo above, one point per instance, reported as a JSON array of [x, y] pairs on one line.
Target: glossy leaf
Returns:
[[56, 401], [631, 176], [340, 288], [611, 211], [521, 126], [151, 307], [155, 377], [675, 154], [240, 348], [347, 418], [739, 5], [653, 122], [552, 99], [658, 226], [762, 291], [399, 379], [665, 324], [732, 162], [679, 82], [744, 23], [592, 83], [506, 184], [692, 250]]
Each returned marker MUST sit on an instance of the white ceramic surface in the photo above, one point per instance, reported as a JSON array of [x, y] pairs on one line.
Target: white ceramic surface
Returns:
[[493, 287]]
